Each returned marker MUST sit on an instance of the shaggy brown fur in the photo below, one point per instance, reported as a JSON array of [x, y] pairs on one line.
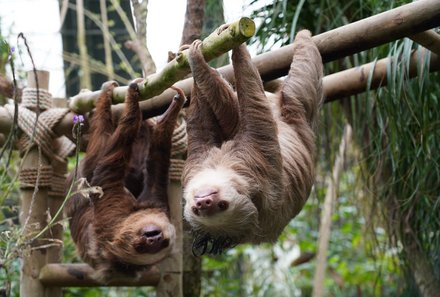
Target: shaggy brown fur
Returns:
[[250, 164], [128, 228]]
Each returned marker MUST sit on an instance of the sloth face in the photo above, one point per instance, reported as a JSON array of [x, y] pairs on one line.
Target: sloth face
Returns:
[[145, 237], [217, 203]]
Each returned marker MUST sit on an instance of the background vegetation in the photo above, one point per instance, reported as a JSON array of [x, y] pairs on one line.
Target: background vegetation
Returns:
[[388, 197]]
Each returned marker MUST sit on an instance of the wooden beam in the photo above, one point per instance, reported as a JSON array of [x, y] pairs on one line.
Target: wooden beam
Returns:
[[429, 39], [355, 80], [33, 212], [79, 275], [170, 284]]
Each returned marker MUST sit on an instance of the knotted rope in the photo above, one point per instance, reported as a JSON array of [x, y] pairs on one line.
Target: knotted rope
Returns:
[[39, 132]]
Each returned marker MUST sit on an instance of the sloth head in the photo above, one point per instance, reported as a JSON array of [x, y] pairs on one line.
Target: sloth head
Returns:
[[143, 238], [219, 208]]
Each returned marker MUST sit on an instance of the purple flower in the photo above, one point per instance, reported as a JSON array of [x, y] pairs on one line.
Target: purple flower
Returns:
[[12, 49], [78, 119]]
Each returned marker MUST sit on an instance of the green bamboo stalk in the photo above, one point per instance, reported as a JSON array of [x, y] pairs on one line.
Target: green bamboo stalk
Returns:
[[213, 46]]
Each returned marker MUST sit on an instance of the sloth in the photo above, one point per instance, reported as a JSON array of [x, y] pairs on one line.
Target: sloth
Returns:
[[250, 162], [126, 228]]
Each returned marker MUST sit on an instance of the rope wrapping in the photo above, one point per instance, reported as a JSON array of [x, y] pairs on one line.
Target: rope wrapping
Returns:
[[178, 149], [58, 187], [28, 177], [39, 132], [29, 98]]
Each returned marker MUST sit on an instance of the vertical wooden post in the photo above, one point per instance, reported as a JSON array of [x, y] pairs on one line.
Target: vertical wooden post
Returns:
[[192, 265], [33, 216], [170, 284], [55, 200]]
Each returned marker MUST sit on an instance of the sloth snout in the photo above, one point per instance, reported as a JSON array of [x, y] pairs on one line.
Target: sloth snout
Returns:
[[208, 202], [153, 235], [153, 240]]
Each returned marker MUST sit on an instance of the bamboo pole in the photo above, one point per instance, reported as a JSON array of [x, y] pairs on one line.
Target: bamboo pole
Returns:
[[79, 275], [213, 46], [33, 216]]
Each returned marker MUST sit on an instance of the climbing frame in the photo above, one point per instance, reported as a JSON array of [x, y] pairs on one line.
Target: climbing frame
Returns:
[[43, 167]]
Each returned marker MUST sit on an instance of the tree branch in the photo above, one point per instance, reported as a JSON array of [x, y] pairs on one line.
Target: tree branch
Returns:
[[139, 44]]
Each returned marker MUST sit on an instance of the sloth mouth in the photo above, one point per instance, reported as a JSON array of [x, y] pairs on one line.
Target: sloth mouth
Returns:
[[144, 247], [152, 240]]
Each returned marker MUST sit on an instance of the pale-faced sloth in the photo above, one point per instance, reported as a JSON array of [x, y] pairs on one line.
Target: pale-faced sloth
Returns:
[[128, 228], [250, 163]]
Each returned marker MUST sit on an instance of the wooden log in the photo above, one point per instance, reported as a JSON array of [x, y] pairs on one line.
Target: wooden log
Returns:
[[355, 80], [33, 216], [429, 39], [79, 275], [54, 203], [192, 265], [170, 284]]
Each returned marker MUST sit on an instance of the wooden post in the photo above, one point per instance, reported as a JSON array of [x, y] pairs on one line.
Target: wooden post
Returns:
[[192, 265], [33, 216], [55, 200], [170, 284]]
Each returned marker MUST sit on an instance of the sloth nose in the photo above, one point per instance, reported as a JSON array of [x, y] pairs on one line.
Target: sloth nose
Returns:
[[153, 240], [152, 234], [204, 203], [207, 202]]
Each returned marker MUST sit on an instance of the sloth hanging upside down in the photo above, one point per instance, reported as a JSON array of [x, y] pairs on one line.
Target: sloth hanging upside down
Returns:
[[127, 228], [250, 163]]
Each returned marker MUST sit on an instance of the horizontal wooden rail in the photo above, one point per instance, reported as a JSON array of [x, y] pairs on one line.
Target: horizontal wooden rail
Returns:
[[355, 80], [79, 275], [429, 39]]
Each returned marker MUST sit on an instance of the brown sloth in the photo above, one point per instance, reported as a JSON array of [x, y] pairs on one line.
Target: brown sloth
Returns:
[[127, 228], [250, 163]]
